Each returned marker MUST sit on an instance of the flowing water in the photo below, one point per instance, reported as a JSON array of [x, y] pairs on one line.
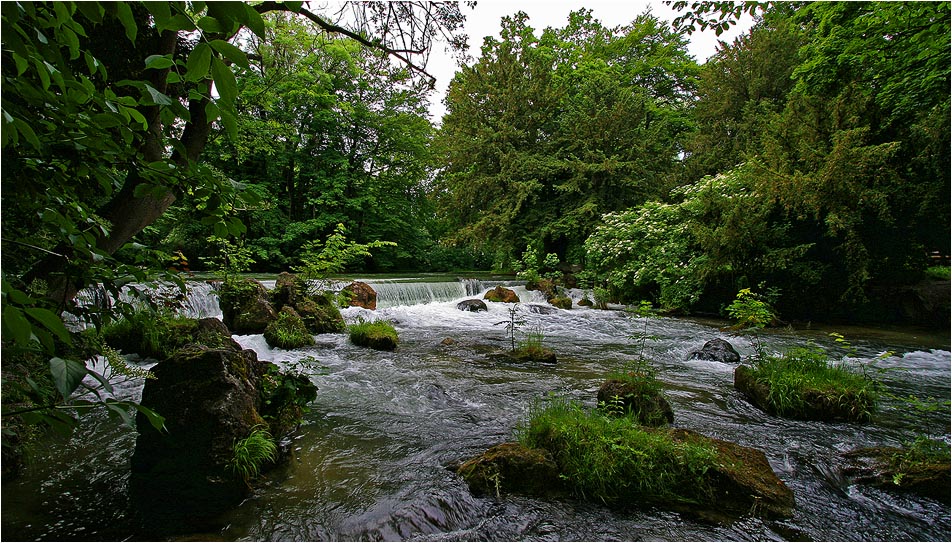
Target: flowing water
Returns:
[[372, 457]]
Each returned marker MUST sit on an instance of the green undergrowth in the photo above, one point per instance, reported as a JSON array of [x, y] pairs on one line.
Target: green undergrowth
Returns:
[[251, 453], [805, 377], [640, 375], [288, 331], [916, 455], [380, 335], [614, 461]]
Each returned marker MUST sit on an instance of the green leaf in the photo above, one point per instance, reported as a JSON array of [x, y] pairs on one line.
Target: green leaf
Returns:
[[158, 62], [211, 25], [225, 82], [122, 411], [254, 21], [294, 6], [157, 420], [51, 321], [159, 10], [67, 374], [124, 13], [231, 52], [231, 125], [197, 65], [158, 97], [17, 325], [91, 10]]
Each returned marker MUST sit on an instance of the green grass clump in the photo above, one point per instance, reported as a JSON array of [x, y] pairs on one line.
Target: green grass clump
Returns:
[[938, 272], [640, 375], [151, 334], [614, 461], [380, 335], [288, 331], [250, 453], [804, 380]]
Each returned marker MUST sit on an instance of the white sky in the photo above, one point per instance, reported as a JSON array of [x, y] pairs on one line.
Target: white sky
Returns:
[[484, 21]]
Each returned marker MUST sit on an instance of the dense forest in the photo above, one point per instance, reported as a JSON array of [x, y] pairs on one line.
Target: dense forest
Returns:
[[809, 158]]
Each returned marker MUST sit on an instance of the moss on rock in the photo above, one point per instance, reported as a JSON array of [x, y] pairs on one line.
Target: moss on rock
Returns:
[[288, 331]]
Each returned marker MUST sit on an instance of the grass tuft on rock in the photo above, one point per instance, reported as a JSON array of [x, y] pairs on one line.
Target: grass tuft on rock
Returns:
[[611, 460], [379, 335]]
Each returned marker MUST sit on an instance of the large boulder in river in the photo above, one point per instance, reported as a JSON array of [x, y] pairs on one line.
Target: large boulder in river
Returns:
[[902, 469], [648, 407], [245, 305], [289, 289], [717, 350], [502, 294], [288, 331], [511, 468], [320, 315], [209, 399], [360, 294], [473, 305]]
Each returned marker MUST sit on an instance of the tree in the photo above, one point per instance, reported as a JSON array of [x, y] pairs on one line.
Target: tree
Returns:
[[106, 109], [546, 133]]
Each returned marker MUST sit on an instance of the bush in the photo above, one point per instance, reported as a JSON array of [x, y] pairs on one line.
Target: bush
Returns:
[[288, 331], [379, 335], [614, 461], [804, 384], [940, 273]]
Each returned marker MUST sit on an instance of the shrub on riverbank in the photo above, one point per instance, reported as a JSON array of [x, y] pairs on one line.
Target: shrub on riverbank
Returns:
[[379, 335], [804, 384]]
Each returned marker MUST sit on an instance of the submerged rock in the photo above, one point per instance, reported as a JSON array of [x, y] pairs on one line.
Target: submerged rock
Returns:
[[527, 354], [649, 408], [474, 305], [541, 309], [511, 468], [501, 294], [884, 467], [717, 350], [361, 294]]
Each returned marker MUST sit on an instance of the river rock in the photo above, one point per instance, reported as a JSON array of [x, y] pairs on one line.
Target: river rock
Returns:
[[209, 400], [541, 309], [879, 467], [512, 468], [288, 330], [320, 315], [647, 407], [245, 306], [501, 294], [473, 305], [717, 350], [562, 302], [743, 481], [361, 295], [289, 289]]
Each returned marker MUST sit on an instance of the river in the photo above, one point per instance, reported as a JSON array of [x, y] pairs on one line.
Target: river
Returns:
[[372, 457]]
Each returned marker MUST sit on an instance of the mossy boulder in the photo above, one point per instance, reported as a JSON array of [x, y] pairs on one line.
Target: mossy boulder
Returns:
[[245, 305], [360, 294], [562, 302], [511, 468], [584, 302], [474, 305], [288, 331], [901, 469], [814, 404], [742, 480], [718, 350], [320, 315], [209, 400], [289, 289], [545, 286], [502, 294], [645, 404]]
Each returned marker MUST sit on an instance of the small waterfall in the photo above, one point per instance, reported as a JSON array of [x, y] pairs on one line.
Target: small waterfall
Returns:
[[392, 294], [202, 301]]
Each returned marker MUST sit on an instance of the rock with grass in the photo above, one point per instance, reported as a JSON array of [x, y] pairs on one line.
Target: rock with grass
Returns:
[[921, 467], [474, 305], [511, 468], [378, 335], [801, 384], [288, 331], [717, 350], [360, 294], [502, 294], [561, 302], [646, 404]]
